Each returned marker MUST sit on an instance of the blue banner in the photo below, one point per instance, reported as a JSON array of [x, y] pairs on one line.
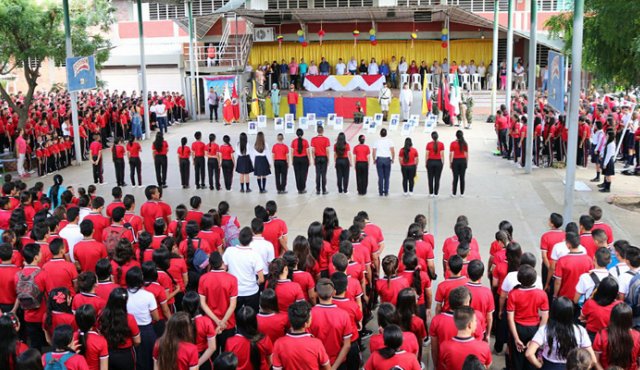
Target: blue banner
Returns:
[[320, 106], [555, 87], [81, 73], [218, 82]]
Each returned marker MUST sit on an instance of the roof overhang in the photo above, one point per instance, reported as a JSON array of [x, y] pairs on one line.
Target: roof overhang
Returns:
[[203, 23]]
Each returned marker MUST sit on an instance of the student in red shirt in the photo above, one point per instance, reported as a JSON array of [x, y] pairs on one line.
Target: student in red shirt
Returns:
[[618, 344], [123, 261], [117, 152], [252, 348], [392, 355], [483, 300], [300, 160], [408, 318], [58, 312], [457, 279], [435, 162], [527, 309], [95, 150], [387, 316], [547, 241], [198, 150], [318, 151], [596, 311], [184, 155], [116, 193], [88, 251], [596, 213], [213, 162], [362, 154], [13, 347], [100, 222], [286, 290], [458, 160], [389, 287], [91, 344], [61, 342], [60, 272], [105, 284], [341, 282], [150, 210], [87, 293], [194, 214], [464, 343], [175, 350], [280, 152], [204, 330], [570, 267], [120, 330], [420, 282], [8, 272], [159, 151], [227, 163], [271, 321], [135, 164], [586, 238], [299, 349], [343, 160], [408, 165]]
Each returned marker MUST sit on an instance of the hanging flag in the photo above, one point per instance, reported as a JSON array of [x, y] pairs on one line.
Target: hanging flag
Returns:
[[255, 108], [425, 107], [235, 104], [227, 108], [454, 109]]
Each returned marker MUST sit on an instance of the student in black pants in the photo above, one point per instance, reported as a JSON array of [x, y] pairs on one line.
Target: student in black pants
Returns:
[[342, 158], [408, 166], [228, 162], [198, 150], [135, 164], [361, 153], [160, 149], [458, 158], [118, 152], [280, 153], [435, 162], [300, 154], [184, 153], [213, 162]]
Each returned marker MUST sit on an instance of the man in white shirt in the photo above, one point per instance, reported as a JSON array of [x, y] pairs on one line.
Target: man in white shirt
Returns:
[[383, 156], [589, 280], [341, 68], [71, 232], [353, 66], [161, 116], [622, 267], [260, 245], [373, 67], [632, 256], [245, 264]]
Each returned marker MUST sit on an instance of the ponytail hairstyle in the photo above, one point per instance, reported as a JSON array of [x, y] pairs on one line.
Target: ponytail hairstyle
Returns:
[[157, 143], [162, 258], [226, 139], [276, 268], [195, 202], [86, 320], [299, 146], [178, 330], [117, 141], [291, 260], [9, 325], [132, 140], [191, 305], [144, 242], [341, 144], [507, 227], [122, 254], [462, 144], [387, 315], [406, 149], [415, 231], [406, 307], [316, 242], [268, 301], [513, 254], [502, 237], [243, 143], [181, 215], [361, 139], [247, 325], [620, 341], [183, 143], [55, 189], [390, 267], [330, 223], [59, 301], [392, 341], [212, 138], [410, 262], [192, 233], [434, 137], [302, 250]]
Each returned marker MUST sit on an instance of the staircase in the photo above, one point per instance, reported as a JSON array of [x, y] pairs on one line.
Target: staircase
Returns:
[[482, 101]]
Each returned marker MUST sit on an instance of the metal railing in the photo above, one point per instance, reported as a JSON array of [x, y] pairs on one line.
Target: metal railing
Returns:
[[231, 53]]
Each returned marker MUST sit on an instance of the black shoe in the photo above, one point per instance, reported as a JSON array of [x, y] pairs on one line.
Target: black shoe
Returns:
[[210, 187], [601, 185], [325, 192], [302, 192], [242, 190], [605, 190], [262, 191], [595, 179], [248, 190], [317, 192], [284, 192]]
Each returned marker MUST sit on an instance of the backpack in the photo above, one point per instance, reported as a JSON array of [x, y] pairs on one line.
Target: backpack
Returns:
[[596, 282], [200, 259], [28, 292], [56, 363], [231, 233], [633, 296], [113, 237]]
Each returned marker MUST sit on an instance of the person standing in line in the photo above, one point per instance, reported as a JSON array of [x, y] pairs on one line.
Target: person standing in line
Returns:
[[608, 162], [184, 153], [275, 100], [292, 99], [458, 160], [408, 166], [343, 159], [320, 158], [214, 101], [406, 99], [21, 150], [384, 98], [160, 150], [393, 72], [362, 155], [284, 70], [198, 151], [95, 150], [300, 160], [280, 153], [135, 164], [245, 264], [293, 72], [118, 152], [244, 166], [213, 162], [228, 162], [435, 163], [161, 116], [261, 160], [383, 156]]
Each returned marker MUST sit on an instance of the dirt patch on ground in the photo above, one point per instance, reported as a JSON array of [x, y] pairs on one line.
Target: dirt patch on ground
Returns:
[[630, 203]]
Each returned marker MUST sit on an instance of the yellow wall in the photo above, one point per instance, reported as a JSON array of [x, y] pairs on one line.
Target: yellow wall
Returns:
[[427, 50]]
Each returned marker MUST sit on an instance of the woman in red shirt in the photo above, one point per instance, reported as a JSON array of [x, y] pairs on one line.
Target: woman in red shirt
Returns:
[[120, 330], [392, 356], [618, 344], [228, 163], [458, 159], [11, 346], [362, 153], [184, 153], [213, 162], [300, 160], [91, 344], [435, 162], [408, 166], [389, 287], [117, 153], [252, 348], [204, 330], [160, 149], [596, 311], [342, 158], [175, 349], [135, 165]]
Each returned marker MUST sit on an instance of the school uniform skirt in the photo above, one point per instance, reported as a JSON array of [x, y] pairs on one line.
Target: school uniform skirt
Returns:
[[610, 168], [262, 167], [244, 165]]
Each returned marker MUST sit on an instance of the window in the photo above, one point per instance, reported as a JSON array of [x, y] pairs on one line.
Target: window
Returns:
[[288, 4], [163, 11]]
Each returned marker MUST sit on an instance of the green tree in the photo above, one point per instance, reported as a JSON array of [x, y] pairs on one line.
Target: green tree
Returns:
[[32, 32], [611, 47]]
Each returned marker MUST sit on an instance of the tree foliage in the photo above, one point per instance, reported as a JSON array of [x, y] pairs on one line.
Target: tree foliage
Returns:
[[34, 31], [611, 47]]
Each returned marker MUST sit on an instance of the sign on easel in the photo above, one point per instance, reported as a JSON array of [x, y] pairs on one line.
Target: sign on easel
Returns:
[[303, 123], [414, 119], [262, 121], [406, 128], [394, 122], [331, 119], [252, 128], [278, 123], [430, 123], [377, 119], [289, 127], [366, 123], [339, 124], [311, 117]]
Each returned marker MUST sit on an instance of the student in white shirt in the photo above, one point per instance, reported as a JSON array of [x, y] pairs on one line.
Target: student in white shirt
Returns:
[[620, 247], [589, 280], [144, 308], [260, 245], [560, 249], [71, 232], [632, 257], [245, 264], [383, 156]]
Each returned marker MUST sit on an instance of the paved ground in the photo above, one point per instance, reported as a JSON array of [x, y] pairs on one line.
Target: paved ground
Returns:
[[496, 190]]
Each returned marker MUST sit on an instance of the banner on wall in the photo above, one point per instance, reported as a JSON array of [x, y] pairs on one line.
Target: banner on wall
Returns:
[[555, 87], [81, 73], [218, 83]]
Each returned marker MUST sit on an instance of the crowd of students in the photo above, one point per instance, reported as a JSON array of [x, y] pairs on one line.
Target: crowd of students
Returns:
[[608, 131], [46, 141], [97, 284], [210, 160]]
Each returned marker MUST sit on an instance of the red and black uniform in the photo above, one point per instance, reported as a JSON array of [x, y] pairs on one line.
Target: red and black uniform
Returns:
[[320, 144], [213, 164], [300, 149], [198, 148], [184, 153], [280, 154], [408, 167], [226, 156], [160, 162], [361, 153], [135, 165]]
